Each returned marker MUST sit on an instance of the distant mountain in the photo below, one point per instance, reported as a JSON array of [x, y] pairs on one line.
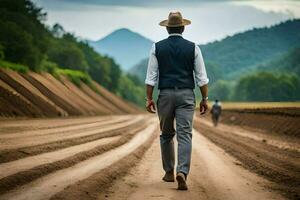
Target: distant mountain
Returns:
[[125, 46], [242, 52]]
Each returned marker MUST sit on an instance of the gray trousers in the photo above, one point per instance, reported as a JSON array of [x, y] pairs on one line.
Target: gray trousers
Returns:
[[178, 105]]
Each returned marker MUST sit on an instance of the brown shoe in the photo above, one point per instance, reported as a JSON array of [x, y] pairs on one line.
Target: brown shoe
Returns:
[[169, 177], [181, 179]]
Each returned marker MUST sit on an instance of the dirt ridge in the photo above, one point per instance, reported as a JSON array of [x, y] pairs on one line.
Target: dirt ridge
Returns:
[[42, 95], [13, 154], [10, 182], [76, 167]]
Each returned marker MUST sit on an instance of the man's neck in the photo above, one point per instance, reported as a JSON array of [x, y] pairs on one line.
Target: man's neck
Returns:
[[175, 34]]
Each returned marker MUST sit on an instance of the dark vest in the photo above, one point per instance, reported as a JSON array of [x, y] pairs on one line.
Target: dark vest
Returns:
[[175, 57]]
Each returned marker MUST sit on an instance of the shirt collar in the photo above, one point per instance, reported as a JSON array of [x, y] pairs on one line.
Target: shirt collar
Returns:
[[175, 34]]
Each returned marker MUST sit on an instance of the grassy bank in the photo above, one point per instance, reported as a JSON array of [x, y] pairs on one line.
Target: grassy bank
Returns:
[[75, 76]]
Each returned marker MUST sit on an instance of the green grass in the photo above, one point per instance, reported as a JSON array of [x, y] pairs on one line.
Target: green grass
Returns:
[[13, 66], [75, 76]]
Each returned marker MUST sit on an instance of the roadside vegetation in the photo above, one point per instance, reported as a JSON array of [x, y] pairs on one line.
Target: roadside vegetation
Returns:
[[14, 66]]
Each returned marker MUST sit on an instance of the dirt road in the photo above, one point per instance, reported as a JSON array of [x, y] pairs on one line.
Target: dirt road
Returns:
[[275, 157], [115, 158], [214, 175]]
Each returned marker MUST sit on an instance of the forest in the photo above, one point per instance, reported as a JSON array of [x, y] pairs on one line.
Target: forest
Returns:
[[26, 43]]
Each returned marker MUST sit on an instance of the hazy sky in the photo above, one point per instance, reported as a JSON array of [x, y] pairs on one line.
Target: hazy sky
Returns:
[[211, 20]]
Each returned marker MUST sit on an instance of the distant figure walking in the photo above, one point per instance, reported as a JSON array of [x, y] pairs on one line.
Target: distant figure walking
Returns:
[[173, 63], [216, 111]]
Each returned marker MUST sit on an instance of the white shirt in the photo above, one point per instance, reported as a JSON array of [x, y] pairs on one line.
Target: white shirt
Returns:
[[199, 67]]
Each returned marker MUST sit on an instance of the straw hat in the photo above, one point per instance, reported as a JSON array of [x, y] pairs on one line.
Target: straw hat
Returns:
[[175, 20]]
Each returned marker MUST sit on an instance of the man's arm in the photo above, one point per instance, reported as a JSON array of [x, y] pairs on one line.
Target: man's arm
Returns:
[[151, 80], [201, 79], [150, 105], [149, 91], [203, 103], [204, 90]]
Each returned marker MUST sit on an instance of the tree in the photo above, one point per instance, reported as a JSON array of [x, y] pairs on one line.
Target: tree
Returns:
[[214, 72], [58, 31], [266, 86], [221, 90], [1, 52], [67, 55], [22, 33]]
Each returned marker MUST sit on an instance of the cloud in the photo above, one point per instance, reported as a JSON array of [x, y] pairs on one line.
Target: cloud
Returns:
[[210, 21], [289, 7], [62, 4]]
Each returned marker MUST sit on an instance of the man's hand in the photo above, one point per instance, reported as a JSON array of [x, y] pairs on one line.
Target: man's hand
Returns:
[[203, 107], [150, 106]]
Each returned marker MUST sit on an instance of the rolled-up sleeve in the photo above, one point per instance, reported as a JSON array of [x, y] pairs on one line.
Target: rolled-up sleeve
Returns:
[[152, 70], [199, 70]]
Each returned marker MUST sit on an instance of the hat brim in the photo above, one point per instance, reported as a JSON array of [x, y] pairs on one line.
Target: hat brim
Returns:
[[166, 23]]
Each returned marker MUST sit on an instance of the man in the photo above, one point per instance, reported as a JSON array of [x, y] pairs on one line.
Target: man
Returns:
[[173, 63], [216, 112]]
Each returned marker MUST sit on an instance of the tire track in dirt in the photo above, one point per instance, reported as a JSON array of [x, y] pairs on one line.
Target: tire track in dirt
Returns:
[[49, 185], [13, 143], [14, 154], [66, 128], [292, 144], [20, 178], [281, 166], [10, 168], [214, 176], [15, 126], [275, 121]]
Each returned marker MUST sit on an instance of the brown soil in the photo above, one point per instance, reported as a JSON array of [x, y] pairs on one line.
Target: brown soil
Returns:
[[12, 104], [27, 126], [10, 182], [117, 101], [281, 121], [114, 164], [45, 89], [91, 187], [16, 81], [36, 95], [62, 140], [214, 175], [108, 106], [90, 105], [281, 166], [73, 164], [66, 93]]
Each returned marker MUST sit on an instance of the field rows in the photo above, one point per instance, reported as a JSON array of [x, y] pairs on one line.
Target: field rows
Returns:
[[38, 163]]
